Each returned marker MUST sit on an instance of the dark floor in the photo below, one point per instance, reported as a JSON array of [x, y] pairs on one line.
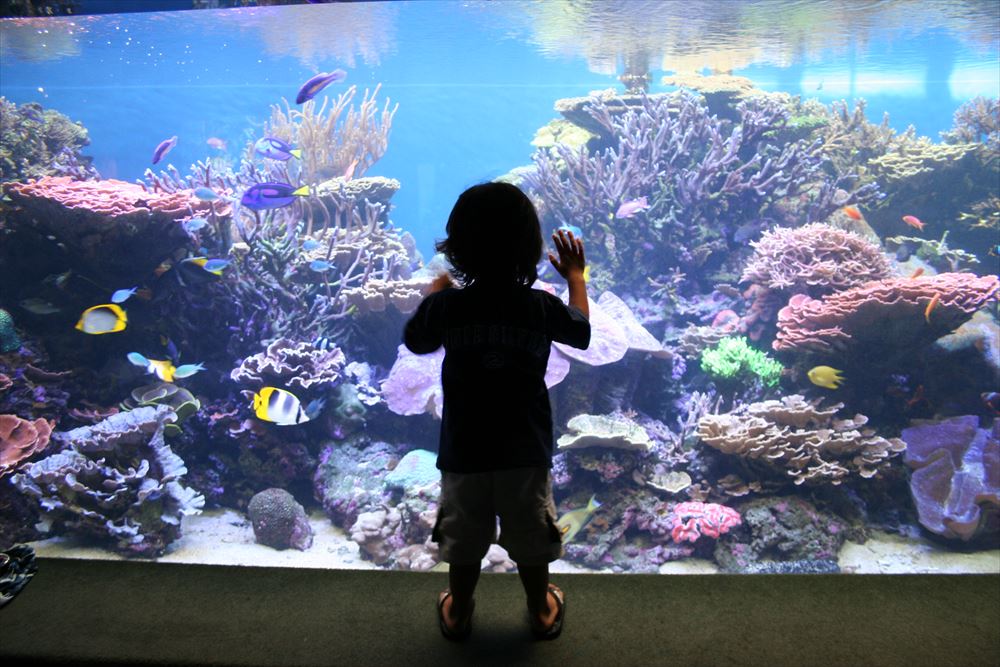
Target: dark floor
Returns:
[[89, 612]]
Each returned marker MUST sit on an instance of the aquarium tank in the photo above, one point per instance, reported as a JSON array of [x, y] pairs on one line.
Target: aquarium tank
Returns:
[[215, 223]]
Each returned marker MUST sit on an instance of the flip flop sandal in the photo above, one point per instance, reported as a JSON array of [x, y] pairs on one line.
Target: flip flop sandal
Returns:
[[553, 630], [463, 629]]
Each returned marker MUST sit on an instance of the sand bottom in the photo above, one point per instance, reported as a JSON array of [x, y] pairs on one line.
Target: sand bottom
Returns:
[[225, 537]]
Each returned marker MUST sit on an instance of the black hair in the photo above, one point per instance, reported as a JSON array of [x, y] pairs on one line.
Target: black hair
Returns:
[[494, 236]]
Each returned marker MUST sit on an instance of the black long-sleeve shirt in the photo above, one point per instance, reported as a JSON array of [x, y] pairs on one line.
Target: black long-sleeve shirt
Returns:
[[496, 406]]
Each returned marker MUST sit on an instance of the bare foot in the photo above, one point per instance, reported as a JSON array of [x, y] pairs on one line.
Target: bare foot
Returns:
[[546, 617]]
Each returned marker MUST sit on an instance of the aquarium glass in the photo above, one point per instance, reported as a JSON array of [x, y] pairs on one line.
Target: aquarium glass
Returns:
[[215, 225]]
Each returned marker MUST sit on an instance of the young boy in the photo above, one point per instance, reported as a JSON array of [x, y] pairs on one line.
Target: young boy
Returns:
[[495, 448]]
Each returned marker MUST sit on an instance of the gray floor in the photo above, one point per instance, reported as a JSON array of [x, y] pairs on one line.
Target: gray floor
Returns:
[[83, 612]]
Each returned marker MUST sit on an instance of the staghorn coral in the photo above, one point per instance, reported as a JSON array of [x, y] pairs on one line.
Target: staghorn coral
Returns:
[[956, 476], [286, 363], [890, 313], [332, 145], [798, 439], [815, 259], [20, 439], [36, 142], [117, 481], [976, 120]]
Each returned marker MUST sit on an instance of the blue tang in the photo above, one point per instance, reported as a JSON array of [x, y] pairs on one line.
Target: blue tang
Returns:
[[276, 149], [263, 196]]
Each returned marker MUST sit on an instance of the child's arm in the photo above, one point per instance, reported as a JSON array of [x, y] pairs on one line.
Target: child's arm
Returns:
[[570, 265]]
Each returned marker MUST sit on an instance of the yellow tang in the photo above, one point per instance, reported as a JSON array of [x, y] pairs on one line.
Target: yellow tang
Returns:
[[279, 406], [824, 376], [102, 319]]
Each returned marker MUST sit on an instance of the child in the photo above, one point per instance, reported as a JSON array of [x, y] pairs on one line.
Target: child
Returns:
[[495, 448]]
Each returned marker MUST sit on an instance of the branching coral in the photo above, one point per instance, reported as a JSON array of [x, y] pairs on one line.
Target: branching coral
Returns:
[[976, 120], [703, 178], [796, 438], [117, 481], [333, 145], [36, 142], [734, 358], [815, 259]]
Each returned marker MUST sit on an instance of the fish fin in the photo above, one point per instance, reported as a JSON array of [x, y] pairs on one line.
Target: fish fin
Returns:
[[304, 191], [296, 153]]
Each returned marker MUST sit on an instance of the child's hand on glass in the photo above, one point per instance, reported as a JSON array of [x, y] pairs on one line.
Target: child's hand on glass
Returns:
[[571, 262]]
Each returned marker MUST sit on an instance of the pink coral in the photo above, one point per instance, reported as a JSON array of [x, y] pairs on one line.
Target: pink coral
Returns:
[[108, 199], [893, 311], [694, 519], [20, 438], [815, 259]]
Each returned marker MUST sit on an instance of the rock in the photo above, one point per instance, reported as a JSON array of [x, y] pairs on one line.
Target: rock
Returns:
[[605, 431], [279, 521], [417, 468]]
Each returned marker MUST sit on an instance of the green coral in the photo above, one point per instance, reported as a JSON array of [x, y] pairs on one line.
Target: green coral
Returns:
[[33, 141], [178, 399], [9, 340], [733, 357]]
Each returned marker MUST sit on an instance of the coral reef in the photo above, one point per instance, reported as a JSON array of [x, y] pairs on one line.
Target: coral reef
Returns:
[[956, 477], [286, 363], [116, 232], [117, 482], [617, 432], [976, 120], [733, 358], [279, 521], [782, 530], [815, 259], [414, 383], [881, 315], [692, 520], [180, 400], [9, 340], [36, 142], [794, 438], [20, 439]]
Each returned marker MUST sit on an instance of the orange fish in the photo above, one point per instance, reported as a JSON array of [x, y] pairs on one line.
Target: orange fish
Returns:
[[914, 222], [852, 212], [916, 274], [930, 306]]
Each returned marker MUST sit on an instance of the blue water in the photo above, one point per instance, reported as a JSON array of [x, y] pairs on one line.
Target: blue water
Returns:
[[473, 81]]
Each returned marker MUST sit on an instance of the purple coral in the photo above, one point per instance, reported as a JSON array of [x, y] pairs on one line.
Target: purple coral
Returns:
[[117, 481], [956, 477]]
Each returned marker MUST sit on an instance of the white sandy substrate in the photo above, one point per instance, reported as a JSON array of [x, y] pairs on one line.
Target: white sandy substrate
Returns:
[[225, 537]]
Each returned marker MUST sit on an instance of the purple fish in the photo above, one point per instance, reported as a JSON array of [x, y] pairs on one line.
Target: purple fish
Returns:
[[276, 149], [630, 208], [311, 87], [164, 148], [263, 196]]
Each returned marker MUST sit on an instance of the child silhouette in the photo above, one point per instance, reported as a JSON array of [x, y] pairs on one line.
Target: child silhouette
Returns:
[[495, 448]]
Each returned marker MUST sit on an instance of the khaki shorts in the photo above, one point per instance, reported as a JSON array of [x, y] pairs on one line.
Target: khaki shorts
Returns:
[[471, 502]]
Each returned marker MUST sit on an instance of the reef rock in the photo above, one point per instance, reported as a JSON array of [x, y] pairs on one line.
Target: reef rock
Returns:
[[605, 431], [279, 521]]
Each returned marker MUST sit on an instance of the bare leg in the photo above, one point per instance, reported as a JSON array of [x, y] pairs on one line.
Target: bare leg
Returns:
[[541, 606], [462, 580]]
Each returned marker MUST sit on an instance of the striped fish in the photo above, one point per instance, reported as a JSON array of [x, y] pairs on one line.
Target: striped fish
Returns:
[[279, 406]]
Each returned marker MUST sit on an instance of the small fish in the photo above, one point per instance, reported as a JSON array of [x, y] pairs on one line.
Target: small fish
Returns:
[[323, 343], [991, 399], [263, 196], [187, 370], [572, 229], [39, 306], [320, 265], [279, 406], [349, 172], [317, 83], [122, 295], [573, 521], [630, 208], [819, 86], [163, 148], [216, 265], [824, 376], [216, 143], [103, 319], [916, 274], [206, 194], [194, 224], [161, 368], [994, 250], [276, 149], [852, 212], [310, 244], [931, 305], [58, 279], [914, 222]]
